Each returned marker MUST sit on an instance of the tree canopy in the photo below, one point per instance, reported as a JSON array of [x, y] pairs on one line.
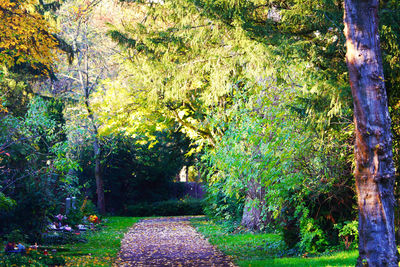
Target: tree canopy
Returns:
[[26, 36]]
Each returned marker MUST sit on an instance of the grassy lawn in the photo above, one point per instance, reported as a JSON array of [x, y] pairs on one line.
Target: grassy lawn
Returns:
[[249, 249], [102, 246], [344, 258]]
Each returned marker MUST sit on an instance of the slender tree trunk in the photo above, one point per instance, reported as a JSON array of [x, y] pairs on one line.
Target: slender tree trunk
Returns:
[[374, 171], [98, 174]]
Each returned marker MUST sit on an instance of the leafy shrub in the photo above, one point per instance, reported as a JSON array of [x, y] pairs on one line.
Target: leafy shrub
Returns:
[[19, 260], [221, 206], [15, 236], [348, 232], [6, 203], [88, 207], [74, 217], [33, 155], [270, 159], [61, 238], [166, 208], [32, 259], [313, 239]]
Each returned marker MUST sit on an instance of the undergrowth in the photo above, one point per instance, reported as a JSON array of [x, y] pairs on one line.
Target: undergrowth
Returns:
[[265, 249]]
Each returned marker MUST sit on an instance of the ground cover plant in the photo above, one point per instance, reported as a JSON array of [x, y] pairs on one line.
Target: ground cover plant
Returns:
[[265, 249], [33, 258]]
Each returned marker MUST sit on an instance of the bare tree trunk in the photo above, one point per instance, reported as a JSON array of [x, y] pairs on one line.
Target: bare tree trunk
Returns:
[[374, 171], [87, 88], [98, 174], [252, 217]]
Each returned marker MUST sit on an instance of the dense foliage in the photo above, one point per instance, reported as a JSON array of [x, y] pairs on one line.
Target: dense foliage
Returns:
[[137, 172], [26, 36], [277, 120], [31, 177], [166, 208]]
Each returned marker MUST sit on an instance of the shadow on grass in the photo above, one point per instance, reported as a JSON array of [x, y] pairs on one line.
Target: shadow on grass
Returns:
[[347, 258]]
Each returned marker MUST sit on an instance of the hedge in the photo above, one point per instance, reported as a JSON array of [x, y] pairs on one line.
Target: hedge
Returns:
[[166, 208]]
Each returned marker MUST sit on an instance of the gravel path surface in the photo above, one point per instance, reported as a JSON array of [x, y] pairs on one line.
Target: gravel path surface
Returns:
[[168, 242]]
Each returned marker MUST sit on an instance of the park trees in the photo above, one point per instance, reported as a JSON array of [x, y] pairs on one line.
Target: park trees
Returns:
[[262, 86], [191, 61], [192, 78], [374, 170], [34, 166], [27, 51], [82, 77], [26, 36], [30, 126]]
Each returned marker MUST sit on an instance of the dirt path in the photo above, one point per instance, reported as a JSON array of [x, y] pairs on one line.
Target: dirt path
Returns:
[[168, 242]]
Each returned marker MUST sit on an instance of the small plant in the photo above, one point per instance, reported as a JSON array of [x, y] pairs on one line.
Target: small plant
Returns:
[[32, 258], [348, 232], [61, 238], [312, 238], [15, 236], [74, 218]]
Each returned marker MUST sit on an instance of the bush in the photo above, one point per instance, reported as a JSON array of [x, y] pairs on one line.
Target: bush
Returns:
[[61, 238], [166, 208], [88, 207], [15, 236], [313, 239], [348, 233], [47, 260], [220, 206], [19, 260], [74, 217], [34, 258]]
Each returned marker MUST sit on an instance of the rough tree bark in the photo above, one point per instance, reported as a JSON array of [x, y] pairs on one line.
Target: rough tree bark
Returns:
[[374, 171], [252, 217]]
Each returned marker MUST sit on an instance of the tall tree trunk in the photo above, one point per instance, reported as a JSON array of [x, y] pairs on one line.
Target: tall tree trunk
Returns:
[[98, 174], [374, 171]]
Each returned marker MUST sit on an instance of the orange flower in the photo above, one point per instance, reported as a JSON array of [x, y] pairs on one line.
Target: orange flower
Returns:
[[93, 219]]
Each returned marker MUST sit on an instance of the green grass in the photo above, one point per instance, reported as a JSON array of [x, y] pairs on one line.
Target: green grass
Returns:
[[102, 246], [344, 258], [260, 249]]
